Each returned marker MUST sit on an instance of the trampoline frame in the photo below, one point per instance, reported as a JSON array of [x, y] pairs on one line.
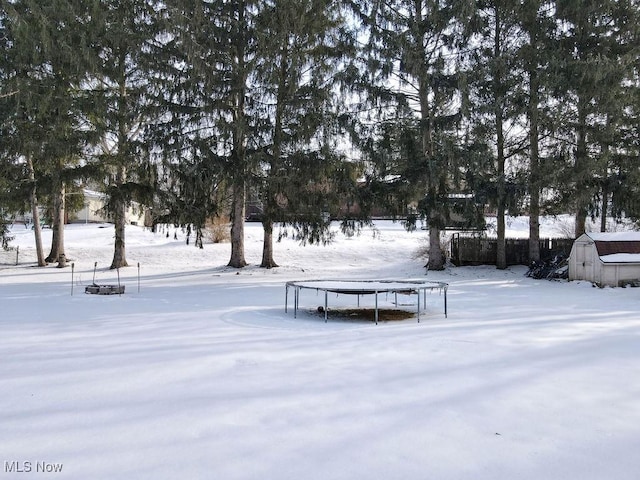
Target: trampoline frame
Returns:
[[364, 287]]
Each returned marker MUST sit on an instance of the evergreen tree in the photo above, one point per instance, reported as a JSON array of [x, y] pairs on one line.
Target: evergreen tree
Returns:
[[300, 50], [192, 185], [411, 48], [595, 54], [126, 37], [5, 178], [27, 103], [616, 145], [215, 54], [497, 75], [192, 192], [43, 127], [624, 172], [8, 205], [537, 23]]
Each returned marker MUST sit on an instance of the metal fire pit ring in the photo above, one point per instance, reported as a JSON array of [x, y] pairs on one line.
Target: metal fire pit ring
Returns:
[[104, 289]]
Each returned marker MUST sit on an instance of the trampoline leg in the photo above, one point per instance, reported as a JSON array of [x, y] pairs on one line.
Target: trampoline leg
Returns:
[[325, 307], [424, 301], [376, 308], [445, 303]]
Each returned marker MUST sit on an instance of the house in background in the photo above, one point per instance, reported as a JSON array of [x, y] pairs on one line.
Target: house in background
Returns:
[[606, 259], [93, 211]]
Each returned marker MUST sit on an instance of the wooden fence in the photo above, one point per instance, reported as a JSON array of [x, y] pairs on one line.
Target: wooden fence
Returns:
[[483, 250]]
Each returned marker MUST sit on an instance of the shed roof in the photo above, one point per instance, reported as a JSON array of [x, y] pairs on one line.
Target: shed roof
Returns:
[[621, 258], [611, 248], [616, 243], [614, 236]]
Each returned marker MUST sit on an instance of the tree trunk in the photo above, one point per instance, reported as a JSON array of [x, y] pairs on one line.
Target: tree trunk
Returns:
[[62, 258], [581, 170], [581, 221], [119, 220], [605, 207], [436, 255], [534, 168], [270, 197], [267, 245], [37, 231], [498, 79], [55, 228], [435, 214], [238, 155], [199, 238], [237, 225], [435, 171], [57, 253], [501, 254], [534, 226], [605, 181]]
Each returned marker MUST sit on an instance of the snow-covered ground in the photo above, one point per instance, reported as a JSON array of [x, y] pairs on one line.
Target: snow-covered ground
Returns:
[[202, 375]]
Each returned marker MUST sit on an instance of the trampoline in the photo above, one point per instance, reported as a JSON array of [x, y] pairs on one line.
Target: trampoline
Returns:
[[365, 287]]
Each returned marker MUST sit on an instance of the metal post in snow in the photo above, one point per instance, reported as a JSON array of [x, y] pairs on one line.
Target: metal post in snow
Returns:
[[445, 302], [376, 315], [138, 277], [72, 268], [325, 306]]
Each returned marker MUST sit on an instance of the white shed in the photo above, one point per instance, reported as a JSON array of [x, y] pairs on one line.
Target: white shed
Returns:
[[606, 258]]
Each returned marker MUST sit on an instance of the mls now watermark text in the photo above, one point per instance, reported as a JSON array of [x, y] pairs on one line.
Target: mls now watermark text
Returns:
[[27, 467]]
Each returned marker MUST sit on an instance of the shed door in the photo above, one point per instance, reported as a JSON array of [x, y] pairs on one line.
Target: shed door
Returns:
[[583, 264]]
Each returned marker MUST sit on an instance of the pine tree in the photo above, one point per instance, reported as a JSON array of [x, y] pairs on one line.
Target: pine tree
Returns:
[[27, 104], [496, 76], [182, 82], [5, 178], [411, 48], [192, 192], [537, 23], [126, 36], [215, 53], [593, 60], [624, 171], [301, 47], [44, 70], [616, 147]]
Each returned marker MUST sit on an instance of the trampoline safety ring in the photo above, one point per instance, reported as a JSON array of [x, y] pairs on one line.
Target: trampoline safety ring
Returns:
[[364, 287]]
